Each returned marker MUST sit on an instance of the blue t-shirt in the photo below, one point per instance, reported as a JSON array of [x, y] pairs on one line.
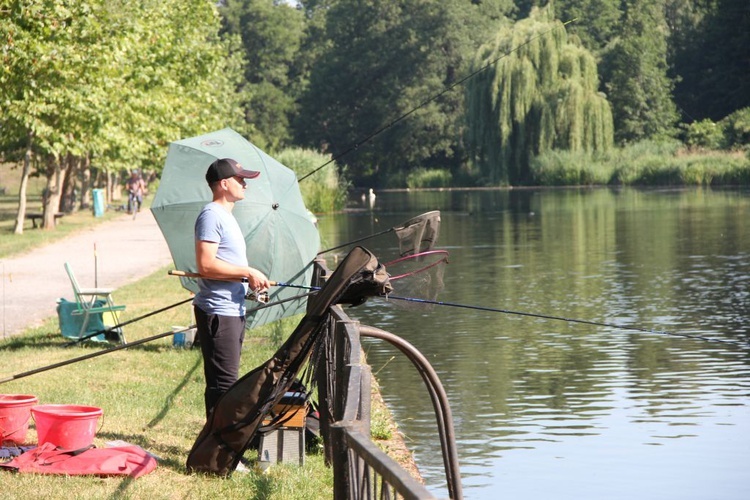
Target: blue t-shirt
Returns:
[[226, 298]]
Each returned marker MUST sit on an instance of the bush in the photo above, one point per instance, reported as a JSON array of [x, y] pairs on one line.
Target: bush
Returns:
[[736, 129], [644, 162], [567, 168], [704, 134], [323, 191], [429, 178]]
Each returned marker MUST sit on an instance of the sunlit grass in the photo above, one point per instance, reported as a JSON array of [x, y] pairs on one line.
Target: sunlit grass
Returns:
[[152, 396]]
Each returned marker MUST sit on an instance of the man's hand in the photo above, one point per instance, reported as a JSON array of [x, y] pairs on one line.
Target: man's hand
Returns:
[[257, 281]]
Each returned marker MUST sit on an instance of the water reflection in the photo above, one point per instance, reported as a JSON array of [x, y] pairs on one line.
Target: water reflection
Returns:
[[553, 409]]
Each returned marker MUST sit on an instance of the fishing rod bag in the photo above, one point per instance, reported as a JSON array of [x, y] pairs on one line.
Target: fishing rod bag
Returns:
[[238, 414]]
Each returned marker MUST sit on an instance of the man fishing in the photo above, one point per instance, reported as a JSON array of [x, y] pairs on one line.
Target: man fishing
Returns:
[[221, 254]]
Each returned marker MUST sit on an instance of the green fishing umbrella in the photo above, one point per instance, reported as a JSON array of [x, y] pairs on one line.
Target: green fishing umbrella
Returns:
[[281, 238]]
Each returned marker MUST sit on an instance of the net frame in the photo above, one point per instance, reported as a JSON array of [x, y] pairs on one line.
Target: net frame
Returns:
[[419, 234], [436, 258]]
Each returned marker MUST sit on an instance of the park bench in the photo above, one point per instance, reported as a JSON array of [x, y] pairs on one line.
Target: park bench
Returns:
[[36, 216]]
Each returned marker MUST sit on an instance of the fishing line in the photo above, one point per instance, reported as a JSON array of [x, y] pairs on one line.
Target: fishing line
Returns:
[[571, 320], [429, 100], [357, 240], [547, 316]]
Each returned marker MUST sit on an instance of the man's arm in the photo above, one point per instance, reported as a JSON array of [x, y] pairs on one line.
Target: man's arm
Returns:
[[212, 267]]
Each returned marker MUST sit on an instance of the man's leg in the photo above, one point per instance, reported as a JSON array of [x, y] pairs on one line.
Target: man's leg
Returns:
[[221, 340]]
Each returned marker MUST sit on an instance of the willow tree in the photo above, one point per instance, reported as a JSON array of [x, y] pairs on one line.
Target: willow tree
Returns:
[[538, 92]]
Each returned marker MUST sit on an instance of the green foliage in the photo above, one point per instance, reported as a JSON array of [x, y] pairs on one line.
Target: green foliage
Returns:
[[736, 129], [570, 168], [595, 20], [710, 45], [648, 163], [635, 69], [380, 60], [704, 134], [539, 92], [271, 34], [112, 80], [429, 178], [323, 191]]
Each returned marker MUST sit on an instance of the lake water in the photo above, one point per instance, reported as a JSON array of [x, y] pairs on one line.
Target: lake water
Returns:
[[554, 409]]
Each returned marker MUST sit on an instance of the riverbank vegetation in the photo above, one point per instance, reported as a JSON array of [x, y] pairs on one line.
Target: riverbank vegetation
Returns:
[[642, 164], [416, 93], [324, 189]]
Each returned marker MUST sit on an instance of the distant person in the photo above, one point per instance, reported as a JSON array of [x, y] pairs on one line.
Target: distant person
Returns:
[[221, 253], [136, 187]]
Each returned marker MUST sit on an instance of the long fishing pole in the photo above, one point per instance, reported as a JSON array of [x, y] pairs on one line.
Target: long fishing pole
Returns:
[[120, 325], [174, 273], [427, 101], [135, 342], [314, 289], [92, 355], [546, 316]]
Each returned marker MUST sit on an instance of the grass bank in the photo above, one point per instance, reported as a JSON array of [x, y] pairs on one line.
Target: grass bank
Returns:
[[152, 396]]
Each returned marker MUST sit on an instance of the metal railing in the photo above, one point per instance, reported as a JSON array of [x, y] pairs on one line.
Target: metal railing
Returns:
[[360, 469]]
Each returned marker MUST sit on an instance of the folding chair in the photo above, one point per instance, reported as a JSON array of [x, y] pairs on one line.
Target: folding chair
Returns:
[[90, 301]]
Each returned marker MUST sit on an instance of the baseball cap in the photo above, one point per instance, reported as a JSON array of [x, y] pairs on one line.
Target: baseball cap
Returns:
[[225, 168]]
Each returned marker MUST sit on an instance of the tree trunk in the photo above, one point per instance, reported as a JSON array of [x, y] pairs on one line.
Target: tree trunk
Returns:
[[55, 178], [70, 187], [21, 215], [85, 194]]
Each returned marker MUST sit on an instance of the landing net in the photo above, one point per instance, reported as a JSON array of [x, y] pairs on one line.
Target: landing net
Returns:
[[419, 234], [419, 276]]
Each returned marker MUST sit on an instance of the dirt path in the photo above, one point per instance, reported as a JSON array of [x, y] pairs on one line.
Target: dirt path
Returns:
[[126, 250]]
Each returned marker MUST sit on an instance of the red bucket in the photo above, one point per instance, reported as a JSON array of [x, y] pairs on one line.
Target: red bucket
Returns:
[[69, 427], [14, 417]]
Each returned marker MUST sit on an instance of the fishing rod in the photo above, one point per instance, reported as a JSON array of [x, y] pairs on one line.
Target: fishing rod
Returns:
[[120, 325], [257, 297], [92, 355], [546, 316], [434, 97], [134, 343], [315, 289]]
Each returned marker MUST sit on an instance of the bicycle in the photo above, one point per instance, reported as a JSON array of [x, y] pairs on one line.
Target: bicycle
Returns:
[[134, 203]]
